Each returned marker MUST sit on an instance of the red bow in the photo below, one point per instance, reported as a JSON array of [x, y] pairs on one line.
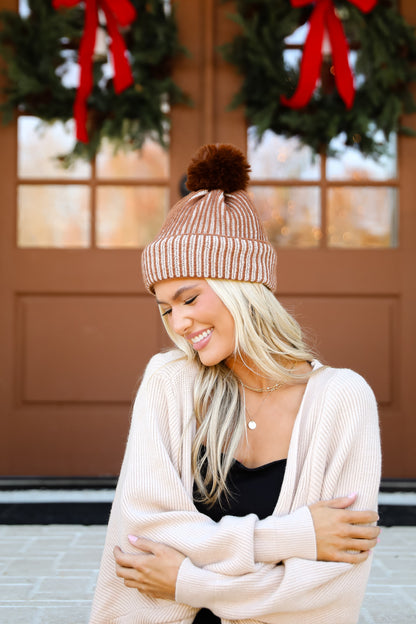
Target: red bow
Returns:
[[116, 12], [324, 17]]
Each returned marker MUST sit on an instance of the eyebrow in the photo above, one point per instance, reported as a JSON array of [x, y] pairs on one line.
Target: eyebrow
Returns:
[[177, 294]]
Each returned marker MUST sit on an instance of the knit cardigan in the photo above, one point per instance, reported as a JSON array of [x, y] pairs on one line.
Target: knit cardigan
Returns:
[[230, 566]]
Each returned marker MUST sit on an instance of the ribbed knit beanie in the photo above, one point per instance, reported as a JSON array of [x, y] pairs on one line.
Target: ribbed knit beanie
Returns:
[[214, 231]]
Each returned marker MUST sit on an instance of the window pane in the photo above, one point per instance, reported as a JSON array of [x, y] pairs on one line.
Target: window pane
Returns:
[[38, 148], [298, 37], [362, 217], [53, 216], [129, 216], [278, 158], [350, 164], [291, 215], [152, 162]]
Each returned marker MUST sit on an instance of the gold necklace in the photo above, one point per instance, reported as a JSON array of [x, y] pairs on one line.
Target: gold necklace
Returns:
[[251, 424], [267, 389]]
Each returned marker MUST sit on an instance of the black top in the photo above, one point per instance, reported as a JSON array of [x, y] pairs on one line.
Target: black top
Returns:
[[253, 490]]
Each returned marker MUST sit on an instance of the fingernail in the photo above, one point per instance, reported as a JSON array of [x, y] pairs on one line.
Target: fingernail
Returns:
[[353, 495], [378, 540], [132, 538]]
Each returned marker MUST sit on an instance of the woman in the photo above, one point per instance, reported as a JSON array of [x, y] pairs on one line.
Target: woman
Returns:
[[232, 501]]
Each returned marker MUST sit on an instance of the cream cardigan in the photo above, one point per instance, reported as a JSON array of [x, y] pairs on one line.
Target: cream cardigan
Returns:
[[231, 565]]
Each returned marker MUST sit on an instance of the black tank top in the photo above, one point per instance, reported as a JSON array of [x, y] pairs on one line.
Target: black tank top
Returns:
[[253, 490]]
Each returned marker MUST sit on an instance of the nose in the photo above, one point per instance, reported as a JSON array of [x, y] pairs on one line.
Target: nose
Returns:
[[180, 320]]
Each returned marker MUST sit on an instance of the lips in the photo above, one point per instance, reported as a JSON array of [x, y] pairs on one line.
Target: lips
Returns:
[[201, 339]]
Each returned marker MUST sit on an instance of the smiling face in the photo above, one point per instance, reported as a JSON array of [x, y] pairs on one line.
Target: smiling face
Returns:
[[193, 311]]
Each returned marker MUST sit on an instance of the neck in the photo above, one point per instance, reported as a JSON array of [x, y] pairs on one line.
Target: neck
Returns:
[[248, 374]]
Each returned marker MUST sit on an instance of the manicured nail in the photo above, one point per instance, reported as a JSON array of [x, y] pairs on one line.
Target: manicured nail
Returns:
[[353, 495], [378, 540], [132, 538]]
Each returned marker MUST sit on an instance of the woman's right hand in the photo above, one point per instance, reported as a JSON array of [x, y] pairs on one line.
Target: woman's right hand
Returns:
[[340, 530]]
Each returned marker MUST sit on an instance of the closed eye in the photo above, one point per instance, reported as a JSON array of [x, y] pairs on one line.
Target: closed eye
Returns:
[[187, 302], [191, 300]]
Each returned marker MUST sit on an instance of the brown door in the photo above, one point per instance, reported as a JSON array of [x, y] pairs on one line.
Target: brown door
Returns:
[[77, 326]]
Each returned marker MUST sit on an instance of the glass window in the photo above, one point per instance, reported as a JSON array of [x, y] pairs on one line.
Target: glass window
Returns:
[[39, 146], [362, 217], [88, 204], [129, 216], [296, 193], [350, 164], [277, 158], [291, 215], [53, 216], [152, 162]]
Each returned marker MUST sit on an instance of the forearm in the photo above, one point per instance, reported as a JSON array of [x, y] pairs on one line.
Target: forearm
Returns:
[[273, 593], [232, 546]]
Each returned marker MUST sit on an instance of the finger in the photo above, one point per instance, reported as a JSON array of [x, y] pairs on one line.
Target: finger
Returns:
[[357, 557], [126, 573], [360, 544], [131, 584], [360, 517], [124, 559], [358, 531], [341, 502], [144, 544]]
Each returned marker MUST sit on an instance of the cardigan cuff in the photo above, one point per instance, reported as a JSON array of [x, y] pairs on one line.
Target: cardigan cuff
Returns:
[[281, 537], [195, 586]]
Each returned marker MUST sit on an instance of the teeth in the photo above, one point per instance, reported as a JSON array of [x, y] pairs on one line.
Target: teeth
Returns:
[[204, 334]]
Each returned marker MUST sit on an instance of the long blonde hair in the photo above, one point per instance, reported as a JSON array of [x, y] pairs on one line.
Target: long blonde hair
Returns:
[[268, 340]]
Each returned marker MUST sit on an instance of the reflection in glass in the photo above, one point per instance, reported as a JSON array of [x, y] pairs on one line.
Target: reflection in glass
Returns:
[[53, 216], [152, 162], [350, 164], [278, 158], [362, 217], [40, 144], [298, 37], [291, 215], [292, 58], [129, 216]]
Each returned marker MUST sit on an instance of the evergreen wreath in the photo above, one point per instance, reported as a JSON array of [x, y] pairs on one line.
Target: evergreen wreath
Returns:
[[385, 48], [38, 49]]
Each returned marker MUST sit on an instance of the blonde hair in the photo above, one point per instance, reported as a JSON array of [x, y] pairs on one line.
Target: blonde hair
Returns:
[[268, 340]]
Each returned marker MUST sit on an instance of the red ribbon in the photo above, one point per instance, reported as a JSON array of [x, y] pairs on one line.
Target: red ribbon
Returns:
[[117, 12], [324, 17]]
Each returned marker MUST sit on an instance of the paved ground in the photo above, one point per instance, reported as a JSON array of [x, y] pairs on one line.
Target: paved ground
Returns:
[[47, 575]]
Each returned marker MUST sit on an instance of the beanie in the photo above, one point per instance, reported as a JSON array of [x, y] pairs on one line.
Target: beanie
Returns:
[[214, 231]]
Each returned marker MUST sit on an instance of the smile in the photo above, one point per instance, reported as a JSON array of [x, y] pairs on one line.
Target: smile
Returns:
[[201, 336]]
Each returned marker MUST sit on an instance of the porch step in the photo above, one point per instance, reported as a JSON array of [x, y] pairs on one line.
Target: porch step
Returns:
[[92, 507]]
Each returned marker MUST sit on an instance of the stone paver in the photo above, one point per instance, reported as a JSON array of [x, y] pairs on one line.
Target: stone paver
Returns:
[[48, 574]]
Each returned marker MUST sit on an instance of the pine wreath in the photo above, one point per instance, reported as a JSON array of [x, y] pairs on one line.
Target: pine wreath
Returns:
[[385, 49], [39, 48]]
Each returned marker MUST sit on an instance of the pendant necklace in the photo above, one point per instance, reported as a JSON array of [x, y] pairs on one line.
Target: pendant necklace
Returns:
[[251, 424]]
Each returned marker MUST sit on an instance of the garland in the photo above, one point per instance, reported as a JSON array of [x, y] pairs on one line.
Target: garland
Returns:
[[39, 50], [385, 49]]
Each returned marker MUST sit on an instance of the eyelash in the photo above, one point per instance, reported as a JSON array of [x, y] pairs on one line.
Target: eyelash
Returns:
[[187, 302]]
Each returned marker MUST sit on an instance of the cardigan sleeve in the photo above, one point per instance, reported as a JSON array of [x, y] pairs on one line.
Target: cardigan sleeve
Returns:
[[152, 500], [349, 435]]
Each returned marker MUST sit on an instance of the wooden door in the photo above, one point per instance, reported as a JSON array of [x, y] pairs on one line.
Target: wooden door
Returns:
[[77, 326]]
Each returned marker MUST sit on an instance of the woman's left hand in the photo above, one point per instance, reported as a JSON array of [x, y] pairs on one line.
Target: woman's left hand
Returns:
[[153, 570]]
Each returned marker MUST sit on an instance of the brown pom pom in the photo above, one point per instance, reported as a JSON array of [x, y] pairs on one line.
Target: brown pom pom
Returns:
[[218, 166]]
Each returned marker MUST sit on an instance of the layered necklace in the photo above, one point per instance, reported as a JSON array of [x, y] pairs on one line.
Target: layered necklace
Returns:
[[251, 423], [266, 389]]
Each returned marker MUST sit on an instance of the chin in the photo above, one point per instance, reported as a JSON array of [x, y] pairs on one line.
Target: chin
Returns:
[[210, 359]]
